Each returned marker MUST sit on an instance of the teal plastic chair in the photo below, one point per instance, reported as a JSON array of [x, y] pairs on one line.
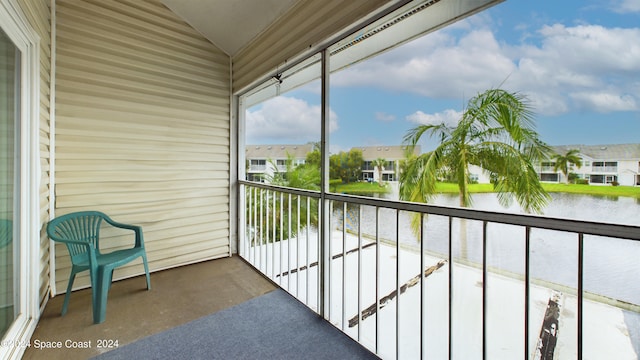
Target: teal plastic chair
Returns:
[[80, 232]]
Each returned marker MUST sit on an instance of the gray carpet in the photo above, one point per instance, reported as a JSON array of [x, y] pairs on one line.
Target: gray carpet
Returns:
[[271, 326]]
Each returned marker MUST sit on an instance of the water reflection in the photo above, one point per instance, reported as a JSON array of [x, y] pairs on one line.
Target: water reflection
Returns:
[[610, 264]]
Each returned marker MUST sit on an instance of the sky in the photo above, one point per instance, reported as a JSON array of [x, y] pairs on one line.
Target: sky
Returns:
[[576, 61]]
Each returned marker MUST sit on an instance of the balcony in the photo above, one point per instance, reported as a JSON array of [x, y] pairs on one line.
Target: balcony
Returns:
[[493, 295], [260, 168], [604, 169], [178, 296], [368, 294]]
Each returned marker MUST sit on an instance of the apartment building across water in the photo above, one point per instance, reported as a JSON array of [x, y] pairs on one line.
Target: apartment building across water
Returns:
[[601, 164], [263, 161]]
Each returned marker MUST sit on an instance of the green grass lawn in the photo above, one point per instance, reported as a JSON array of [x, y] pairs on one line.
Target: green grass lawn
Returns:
[[360, 188], [605, 190], [364, 188]]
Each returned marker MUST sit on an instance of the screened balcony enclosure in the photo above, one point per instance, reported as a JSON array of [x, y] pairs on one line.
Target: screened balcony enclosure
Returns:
[[144, 110], [470, 284], [477, 284]]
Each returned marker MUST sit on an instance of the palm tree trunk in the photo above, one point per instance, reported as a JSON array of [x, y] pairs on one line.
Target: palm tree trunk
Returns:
[[464, 252]]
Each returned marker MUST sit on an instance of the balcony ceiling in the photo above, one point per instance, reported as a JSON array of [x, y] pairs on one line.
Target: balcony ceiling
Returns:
[[230, 24]]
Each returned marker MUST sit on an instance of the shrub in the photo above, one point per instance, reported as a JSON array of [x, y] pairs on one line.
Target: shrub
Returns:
[[615, 183], [573, 177], [582, 181]]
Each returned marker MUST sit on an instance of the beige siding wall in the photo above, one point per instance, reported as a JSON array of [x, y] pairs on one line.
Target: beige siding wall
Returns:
[[38, 14], [142, 129], [308, 23]]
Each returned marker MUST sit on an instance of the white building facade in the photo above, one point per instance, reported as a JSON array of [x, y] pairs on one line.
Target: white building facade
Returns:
[[617, 164], [392, 155], [264, 161]]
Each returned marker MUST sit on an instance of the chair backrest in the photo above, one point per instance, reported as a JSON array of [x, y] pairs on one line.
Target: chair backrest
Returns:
[[81, 226]]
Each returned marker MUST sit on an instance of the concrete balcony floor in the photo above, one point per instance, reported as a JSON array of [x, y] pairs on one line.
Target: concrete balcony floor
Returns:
[[177, 296]]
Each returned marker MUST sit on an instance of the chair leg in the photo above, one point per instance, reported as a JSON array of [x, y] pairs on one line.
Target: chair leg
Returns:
[[65, 304], [146, 270], [105, 276]]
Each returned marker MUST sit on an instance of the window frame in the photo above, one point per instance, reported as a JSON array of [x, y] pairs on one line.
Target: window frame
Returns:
[[17, 28]]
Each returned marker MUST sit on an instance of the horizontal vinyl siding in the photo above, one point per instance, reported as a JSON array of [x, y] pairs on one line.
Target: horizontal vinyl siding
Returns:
[[307, 24], [38, 14], [142, 130]]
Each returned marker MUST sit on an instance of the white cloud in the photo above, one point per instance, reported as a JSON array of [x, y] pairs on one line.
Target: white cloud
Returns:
[[554, 67], [605, 102], [448, 117], [591, 48], [572, 65], [625, 6], [286, 120], [437, 65], [384, 117]]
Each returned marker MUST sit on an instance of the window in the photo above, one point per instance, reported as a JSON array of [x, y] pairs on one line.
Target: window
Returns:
[[19, 177], [549, 177], [255, 177], [390, 166], [388, 177], [597, 179], [9, 179], [368, 165], [256, 165]]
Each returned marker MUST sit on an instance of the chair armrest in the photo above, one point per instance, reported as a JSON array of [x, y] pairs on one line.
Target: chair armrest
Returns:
[[136, 228]]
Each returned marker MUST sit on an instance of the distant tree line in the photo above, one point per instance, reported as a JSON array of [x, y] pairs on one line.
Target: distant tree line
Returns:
[[346, 166]]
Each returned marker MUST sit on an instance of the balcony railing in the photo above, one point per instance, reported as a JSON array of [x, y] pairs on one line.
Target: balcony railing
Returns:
[[604, 169], [466, 284], [253, 167]]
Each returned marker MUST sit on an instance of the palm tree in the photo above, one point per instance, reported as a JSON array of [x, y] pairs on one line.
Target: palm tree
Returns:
[[379, 163], [304, 176], [496, 132], [563, 162]]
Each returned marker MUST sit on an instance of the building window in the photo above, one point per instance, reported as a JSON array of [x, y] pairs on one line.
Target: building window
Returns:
[[255, 177], [258, 165], [549, 177], [368, 165], [390, 166], [602, 179]]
